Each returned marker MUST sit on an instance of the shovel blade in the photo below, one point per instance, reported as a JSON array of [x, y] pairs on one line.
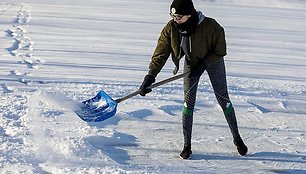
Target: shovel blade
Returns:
[[98, 108]]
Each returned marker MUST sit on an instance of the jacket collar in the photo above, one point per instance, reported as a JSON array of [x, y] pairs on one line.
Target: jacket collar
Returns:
[[201, 16]]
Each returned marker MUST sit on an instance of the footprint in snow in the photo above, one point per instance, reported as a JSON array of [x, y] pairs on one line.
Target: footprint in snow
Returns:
[[112, 146], [6, 88], [17, 73], [257, 108], [52, 113], [33, 62], [141, 114], [171, 110], [23, 15]]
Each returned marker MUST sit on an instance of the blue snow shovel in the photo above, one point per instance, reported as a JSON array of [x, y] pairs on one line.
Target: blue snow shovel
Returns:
[[102, 106]]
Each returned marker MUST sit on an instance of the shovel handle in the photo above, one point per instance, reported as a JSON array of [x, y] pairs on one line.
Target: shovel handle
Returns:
[[153, 86]]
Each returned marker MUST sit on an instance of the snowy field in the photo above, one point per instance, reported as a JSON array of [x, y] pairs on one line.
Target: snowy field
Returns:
[[56, 52]]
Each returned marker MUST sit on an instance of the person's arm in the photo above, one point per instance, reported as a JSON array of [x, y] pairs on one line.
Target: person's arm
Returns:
[[162, 51]]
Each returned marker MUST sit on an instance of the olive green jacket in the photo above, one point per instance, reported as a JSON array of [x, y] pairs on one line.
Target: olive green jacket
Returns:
[[207, 46]]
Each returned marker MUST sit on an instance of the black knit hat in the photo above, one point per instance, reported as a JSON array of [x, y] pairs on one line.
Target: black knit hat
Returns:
[[182, 7]]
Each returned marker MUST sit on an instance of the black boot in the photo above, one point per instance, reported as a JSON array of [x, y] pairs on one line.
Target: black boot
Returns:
[[186, 153], [241, 147]]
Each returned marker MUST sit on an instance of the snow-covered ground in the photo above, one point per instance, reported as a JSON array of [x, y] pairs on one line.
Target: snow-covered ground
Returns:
[[56, 52]]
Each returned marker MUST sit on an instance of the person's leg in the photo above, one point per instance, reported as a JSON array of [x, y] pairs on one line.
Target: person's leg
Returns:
[[217, 75], [190, 91]]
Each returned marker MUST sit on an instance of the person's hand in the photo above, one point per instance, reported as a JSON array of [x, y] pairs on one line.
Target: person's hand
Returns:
[[147, 81]]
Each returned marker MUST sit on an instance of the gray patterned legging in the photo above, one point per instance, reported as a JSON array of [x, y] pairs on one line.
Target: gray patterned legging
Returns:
[[217, 76]]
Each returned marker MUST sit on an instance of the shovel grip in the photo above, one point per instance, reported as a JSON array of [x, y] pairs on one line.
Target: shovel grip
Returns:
[[153, 86]]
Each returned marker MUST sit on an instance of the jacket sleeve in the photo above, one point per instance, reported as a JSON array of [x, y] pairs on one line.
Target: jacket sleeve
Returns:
[[162, 51], [218, 48]]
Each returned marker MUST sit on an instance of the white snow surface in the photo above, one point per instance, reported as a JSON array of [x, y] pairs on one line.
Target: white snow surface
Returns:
[[58, 52]]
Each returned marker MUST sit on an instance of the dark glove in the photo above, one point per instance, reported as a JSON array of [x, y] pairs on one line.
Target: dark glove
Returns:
[[147, 81]]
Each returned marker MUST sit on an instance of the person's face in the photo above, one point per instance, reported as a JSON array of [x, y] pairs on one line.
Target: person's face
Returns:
[[180, 19]]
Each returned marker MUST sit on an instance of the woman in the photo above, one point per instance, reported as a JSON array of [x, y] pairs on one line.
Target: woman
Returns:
[[202, 41]]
